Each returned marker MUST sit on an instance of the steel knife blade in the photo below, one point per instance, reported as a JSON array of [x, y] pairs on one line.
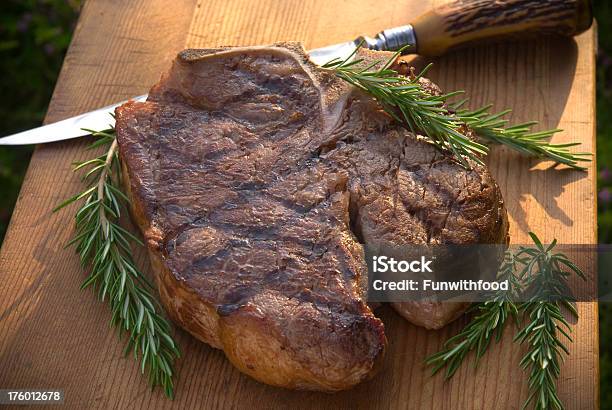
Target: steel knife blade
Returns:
[[69, 128], [100, 119]]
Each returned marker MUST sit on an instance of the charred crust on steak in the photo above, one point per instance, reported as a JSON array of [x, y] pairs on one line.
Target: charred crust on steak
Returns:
[[256, 178]]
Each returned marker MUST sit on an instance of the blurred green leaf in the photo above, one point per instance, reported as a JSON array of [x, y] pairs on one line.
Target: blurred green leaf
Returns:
[[7, 45]]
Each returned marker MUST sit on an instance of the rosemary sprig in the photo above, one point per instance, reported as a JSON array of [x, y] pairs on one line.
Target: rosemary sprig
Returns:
[[442, 123], [543, 280], [104, 247], [492, 128], [489, 318], [409, 103], [546, 275]]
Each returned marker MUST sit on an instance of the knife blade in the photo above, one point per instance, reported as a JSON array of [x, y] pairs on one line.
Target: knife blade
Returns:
[[69, 128], [101, 118], [391, 39]]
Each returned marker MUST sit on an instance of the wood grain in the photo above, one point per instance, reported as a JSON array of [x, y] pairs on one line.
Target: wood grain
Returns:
[[52, 335]]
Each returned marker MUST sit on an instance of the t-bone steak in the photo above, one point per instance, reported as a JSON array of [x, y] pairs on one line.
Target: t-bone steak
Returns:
[[256, 178]]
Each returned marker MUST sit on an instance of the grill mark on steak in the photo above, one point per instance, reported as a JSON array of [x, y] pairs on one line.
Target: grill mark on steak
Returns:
[[257, 178]]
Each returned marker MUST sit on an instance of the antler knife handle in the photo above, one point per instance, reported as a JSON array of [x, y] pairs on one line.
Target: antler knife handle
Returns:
[[464, 22]]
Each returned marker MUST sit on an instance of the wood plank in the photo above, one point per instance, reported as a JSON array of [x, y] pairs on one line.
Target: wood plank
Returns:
[[55, 336]]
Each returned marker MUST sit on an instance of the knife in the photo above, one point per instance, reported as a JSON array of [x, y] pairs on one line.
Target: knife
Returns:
[[449, 26]]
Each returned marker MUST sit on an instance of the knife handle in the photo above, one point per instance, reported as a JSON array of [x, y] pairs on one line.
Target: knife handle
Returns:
[[463, 22]]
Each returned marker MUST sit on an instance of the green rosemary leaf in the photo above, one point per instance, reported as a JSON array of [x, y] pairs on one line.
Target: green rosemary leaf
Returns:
[[549, 292], [491, 128], [445, 124], [489, 319], [542, 280], [104, 246], [407, 102]]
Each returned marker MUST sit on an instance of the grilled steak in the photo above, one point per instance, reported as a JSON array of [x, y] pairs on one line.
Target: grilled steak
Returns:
[[255, 178]]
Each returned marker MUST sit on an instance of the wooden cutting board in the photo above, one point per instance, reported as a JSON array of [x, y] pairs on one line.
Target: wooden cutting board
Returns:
[[52, 335]]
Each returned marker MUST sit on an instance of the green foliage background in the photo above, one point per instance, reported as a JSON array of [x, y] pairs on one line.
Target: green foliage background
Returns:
[[603, 14], [34, 36]]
